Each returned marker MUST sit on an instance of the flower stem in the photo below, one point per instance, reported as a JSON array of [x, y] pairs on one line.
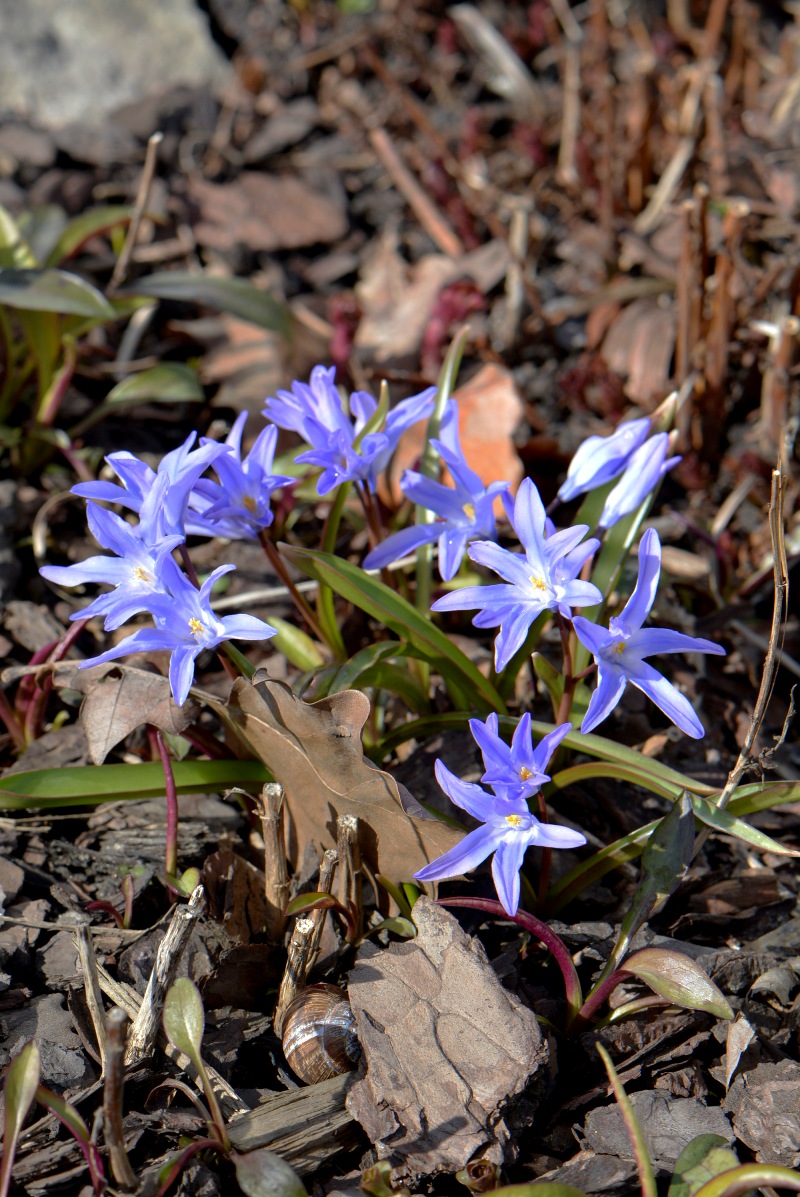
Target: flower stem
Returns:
[[326, 612], [171, 858], [279, 565]]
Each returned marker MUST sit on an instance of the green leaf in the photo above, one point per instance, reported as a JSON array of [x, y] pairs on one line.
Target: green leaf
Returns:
[[234, 295], [750, 1176], [41, 228], [763, 795], [184, 1018], [551, 679], [65, 1113], [640, 1153], [261, 1173], [89, 785], [296, 645], [22, 1080], [347, 677], [53, 291], [573, 883], [665, 858], [93, 223], [676, 977], [315, 900], [724, 821], [704, 1158], [397, 893], [396, 924], [169, 382], [379, 601], [14, 250]]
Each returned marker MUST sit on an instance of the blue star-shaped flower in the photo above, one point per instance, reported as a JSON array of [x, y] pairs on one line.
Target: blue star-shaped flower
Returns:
[[508, 830], [336, 435], [185, 626], [518, 770], [464, 512], [620, 651], [238, 506], [544, 577]]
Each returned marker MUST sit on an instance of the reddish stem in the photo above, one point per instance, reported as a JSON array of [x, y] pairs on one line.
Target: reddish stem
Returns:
[[543, 933], [171, 857]]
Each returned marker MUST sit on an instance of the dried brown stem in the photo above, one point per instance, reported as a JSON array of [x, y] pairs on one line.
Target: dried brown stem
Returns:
[[140, 203], [327, 869], [350, 877], [276, 875], [121, 1169], [296, 970], [94, 995], [417, 199]]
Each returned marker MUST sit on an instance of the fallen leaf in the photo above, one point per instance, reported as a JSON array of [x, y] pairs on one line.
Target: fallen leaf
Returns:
[[639, 346], [120, 698], [489, 411], [445, 1047], [396, 299], [268, 212], [765, 1103], [314, 750]]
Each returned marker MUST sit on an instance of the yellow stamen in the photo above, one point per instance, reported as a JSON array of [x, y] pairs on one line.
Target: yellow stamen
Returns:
[[619, 647], [249, 503], [195, 626], [538, 583], [142, 575], [525, 774], [514, 820], [469, 512]]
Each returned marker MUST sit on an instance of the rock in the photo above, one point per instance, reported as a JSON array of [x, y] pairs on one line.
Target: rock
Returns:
[[669, 1124], [64, 1063], [77, 60]]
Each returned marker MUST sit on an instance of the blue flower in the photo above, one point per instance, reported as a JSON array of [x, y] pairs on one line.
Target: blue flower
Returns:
[[645, 469], [339, 447], [542, 578], [508, 830], [185, 626], [642, 462], [620, 651], [238, 506], [136, 572], [160, 498], [601, 458], [464, 513], [517, 771]]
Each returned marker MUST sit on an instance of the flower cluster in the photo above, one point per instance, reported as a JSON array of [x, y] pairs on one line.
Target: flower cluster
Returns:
[[350, 440], [177, 500], [509, 828], [639, 461]]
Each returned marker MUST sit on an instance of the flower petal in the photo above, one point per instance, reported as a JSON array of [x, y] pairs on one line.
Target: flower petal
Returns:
[[465, 856], [505, 870], [637, 608], [470, 797], [611, 684], [649, 641], [676, 706], [553, 835]]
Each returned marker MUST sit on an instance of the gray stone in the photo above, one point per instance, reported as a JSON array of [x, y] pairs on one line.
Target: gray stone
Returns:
[[64, 1064], [78, 60], [669, 1124]]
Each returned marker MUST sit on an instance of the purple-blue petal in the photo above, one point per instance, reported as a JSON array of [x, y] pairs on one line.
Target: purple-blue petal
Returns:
[[611, 683], [465, 856], [466, 794], [637, 608]]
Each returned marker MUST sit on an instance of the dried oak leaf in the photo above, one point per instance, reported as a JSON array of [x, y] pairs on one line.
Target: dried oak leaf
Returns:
[[120, 698], [445, 1048], [314, 750]]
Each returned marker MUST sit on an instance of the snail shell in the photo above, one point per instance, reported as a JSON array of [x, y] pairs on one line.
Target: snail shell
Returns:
[[319, 1038]]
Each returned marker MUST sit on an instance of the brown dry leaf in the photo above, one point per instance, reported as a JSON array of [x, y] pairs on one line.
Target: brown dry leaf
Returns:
[[248, 362], [268, 212], [445, 1048], [120, 698], [639, 346], [396, 299], [489, 410], [314, 750], [764, 1103]]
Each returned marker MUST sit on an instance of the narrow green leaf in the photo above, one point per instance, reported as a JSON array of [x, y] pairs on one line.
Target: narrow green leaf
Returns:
[[169, 382], [296, 645], [641, 1155], [65, 1113], [750, 1176], [53, 291], [381, 603], [234, 295], [701, 1160], [764, 795], [314, 900], [396, 924], [724, 821], [679, 979], [261, 1173], [348, 675], [397, 893], [395, 680], [665, 858], [184, 1018], [573, 883], [577, 774], [89, 785], [14, 250], [89, 224], [551, 679], [22, 1080]]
